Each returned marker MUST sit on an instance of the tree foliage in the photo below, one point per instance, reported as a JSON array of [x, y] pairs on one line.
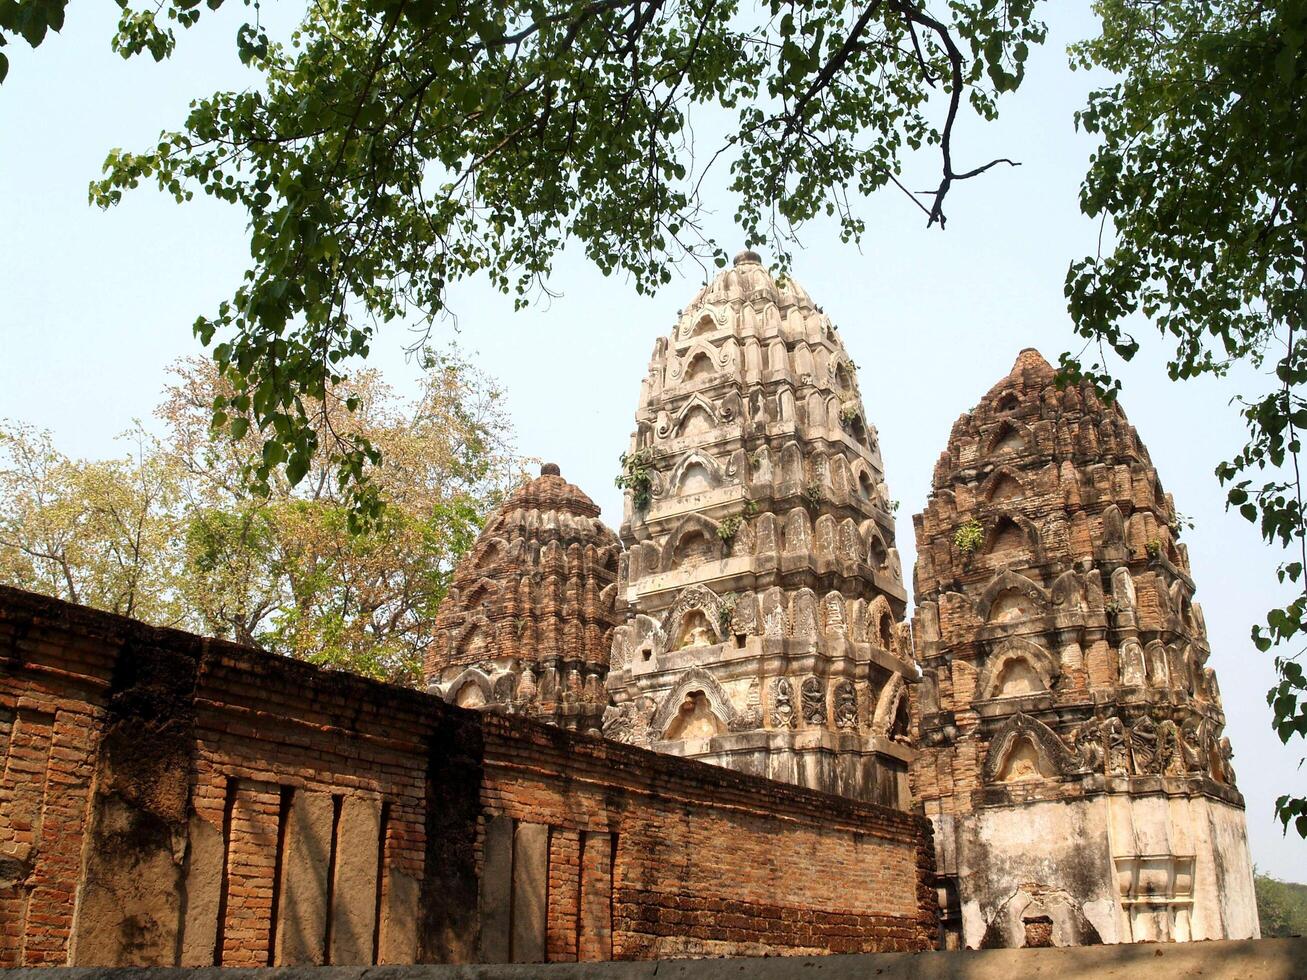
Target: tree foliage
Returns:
[[1281, 907], [392, 147], [1200, 177], [96, 533], [174, 535]]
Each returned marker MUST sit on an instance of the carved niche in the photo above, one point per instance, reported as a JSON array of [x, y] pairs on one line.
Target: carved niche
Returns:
[[1036, 745], [783, 713], [846, 706]]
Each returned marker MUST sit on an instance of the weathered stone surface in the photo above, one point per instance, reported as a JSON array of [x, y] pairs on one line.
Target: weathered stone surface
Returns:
[[354, 893], [306, 859], [129, 909], [204, 859], [767, 532], [496, 899], [1064, 695], [400, 913], [527, 623], [530, 886]]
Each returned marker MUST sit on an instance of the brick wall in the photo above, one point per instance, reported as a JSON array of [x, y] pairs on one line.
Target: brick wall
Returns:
[[166, 799]]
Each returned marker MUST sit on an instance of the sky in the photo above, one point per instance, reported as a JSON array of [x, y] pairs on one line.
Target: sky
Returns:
[[94, 305]]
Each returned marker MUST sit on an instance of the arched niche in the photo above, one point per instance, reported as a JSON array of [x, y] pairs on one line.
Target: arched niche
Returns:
[[843, 377], [475, 641], [857, 428], [1003, 484], [877, 553], [1011, 597], [696, 421], [704, 325], [695, 719], [1023, 762], [695, 473], [703, 694], [470, 689], [696, 631], [1013, 534], [880, 623], [700, 359], [478, 593], [1008, 437], [1015, 668], [492, 551], [1007, 537], [891, 712], [866, 486], [697, 607], [694, 541], [698, 414], [700, 365], [1039, 753]]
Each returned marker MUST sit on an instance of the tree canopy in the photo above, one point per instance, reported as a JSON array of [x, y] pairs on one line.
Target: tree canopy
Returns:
[[392, 147], [172, 534]]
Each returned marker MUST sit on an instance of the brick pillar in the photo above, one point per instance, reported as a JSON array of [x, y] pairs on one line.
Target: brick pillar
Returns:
[[28, 735], [564, 895], [595, 928], [251, 872]]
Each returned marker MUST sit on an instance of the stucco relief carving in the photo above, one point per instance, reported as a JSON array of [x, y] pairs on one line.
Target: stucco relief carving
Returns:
[[996, 602], [888, 704], [695, 680], [846, 706], [707, 626], [813, 692], [737, 504], [784, 714], [1054, 756], [995, 679]]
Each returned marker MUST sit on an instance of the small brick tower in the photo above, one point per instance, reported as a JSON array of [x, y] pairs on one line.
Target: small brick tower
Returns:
[[528, 621]]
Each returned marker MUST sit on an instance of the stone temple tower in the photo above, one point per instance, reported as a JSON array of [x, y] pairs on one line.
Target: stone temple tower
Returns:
[[528, 620], [1070, 732], [761, 587]]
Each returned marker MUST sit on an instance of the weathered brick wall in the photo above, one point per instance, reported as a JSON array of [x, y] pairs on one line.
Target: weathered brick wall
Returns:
[[166, 799], [702, 864]]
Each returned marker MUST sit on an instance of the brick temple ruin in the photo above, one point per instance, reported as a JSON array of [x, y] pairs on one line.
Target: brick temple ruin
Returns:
[[711, 732]]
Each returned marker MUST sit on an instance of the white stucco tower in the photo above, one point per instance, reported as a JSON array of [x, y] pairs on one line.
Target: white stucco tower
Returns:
[[761, 589]]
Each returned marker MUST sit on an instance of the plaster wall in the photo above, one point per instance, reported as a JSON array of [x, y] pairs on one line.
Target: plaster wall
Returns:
[[1105, 869]]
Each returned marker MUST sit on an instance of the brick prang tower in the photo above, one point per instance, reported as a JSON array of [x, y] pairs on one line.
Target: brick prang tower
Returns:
[[1069, 729], [528, 620]]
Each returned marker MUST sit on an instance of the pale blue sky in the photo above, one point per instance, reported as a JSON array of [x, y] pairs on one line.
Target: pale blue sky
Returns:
[[93, 306]]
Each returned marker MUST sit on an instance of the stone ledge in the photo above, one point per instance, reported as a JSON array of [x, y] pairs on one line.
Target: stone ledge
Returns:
[[1251, 959]]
